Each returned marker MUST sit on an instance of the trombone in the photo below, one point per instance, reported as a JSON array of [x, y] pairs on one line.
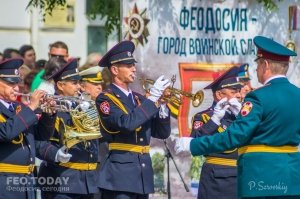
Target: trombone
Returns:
[[176, 95]]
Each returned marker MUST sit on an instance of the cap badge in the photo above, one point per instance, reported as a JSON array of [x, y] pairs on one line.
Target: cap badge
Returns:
[[129, 54], [16, 72]]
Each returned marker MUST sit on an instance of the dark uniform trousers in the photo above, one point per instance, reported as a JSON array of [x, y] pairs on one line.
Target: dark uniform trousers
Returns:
[[127, 127], [275, 197], [121, 195], [19, 131], [216, 180], [82, 183], [51, 195]]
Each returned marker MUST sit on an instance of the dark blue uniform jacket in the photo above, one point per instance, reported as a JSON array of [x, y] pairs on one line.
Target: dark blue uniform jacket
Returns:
[[216, 181], [124, 170], [79, 181], [19, 132]]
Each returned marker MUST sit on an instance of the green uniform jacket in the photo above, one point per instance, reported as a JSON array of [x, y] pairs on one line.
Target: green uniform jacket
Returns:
[[270, 116]]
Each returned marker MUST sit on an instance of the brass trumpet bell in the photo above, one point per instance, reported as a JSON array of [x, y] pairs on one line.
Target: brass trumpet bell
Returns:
[[197, 98], [175, 97]]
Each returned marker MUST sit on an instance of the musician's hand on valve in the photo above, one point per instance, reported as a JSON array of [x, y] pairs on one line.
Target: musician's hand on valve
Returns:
[[36, 99], [165, 96], [158, 88], [220, 110], [235, 106], [62, 156], [50, 106]]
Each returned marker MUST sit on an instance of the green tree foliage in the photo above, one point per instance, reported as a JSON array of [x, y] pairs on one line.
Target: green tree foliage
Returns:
[[45, 6], [270, 5], [110, 10], [196, 166], [158, 165]]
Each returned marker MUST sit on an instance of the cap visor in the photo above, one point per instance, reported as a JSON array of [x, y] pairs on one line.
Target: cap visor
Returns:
[[74, 78], [13, 80], [238, 86], [94, 81], [130, 61]]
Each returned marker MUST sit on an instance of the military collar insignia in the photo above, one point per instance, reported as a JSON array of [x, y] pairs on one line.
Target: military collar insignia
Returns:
[[18, 109], [137, 99]]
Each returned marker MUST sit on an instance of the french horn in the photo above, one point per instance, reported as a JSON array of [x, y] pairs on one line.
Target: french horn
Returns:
[[84, 117], [85, 126]]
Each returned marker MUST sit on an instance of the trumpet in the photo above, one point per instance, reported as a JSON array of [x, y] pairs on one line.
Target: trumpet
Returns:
[[176, 95], [63, 103]]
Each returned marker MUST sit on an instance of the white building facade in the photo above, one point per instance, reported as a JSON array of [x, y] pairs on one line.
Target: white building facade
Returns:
[[19, 26]]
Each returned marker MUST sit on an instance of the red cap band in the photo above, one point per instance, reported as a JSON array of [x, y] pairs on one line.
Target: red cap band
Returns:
[[267, 55]]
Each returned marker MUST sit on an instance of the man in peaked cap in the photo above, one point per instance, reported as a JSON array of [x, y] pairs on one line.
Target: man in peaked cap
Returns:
[[68, 72], [20, 129], [91, 81], [79, 163], [243, 74], [244, 77], [128, 120], [121, 53], [10, 70], [218, 174], [91, 86], [267, 130]]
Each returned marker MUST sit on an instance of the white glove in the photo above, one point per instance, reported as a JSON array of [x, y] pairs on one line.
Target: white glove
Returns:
[[84, 106], [158, 88], [163, 111], [220, 110], [235, 106], [182, 144], [62, 156]]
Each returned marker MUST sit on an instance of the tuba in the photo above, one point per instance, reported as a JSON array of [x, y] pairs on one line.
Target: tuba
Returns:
[[176, 95]]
